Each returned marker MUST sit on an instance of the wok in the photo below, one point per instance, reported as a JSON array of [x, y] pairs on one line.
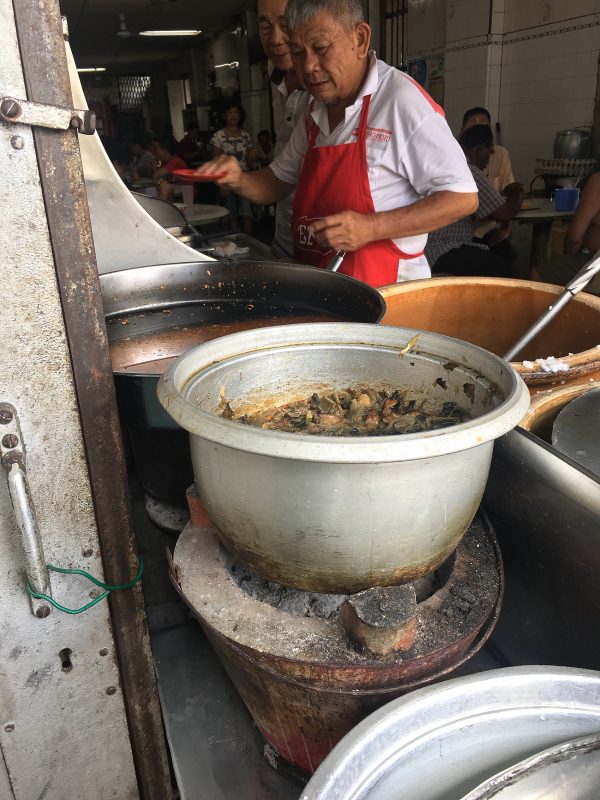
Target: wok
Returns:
[[153, 314]]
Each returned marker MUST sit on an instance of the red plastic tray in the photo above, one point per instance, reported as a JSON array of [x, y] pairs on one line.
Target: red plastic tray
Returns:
[[193, 177]]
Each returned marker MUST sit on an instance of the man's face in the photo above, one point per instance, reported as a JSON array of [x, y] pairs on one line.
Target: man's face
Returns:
[[329, 59], [272, 36]]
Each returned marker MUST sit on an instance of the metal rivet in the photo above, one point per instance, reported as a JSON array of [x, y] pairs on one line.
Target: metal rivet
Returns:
[[75, 122], [17, 142], [6, 416], [42, 611], [10, 108], [87, 552], [10, 440], [103, 652], [9, 727], [111, 690]]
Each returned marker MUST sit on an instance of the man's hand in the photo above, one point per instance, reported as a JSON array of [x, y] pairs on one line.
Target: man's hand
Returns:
[[347, 230], [225, 170]]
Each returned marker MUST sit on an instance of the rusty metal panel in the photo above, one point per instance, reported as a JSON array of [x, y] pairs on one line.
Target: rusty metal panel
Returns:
[[62, 717], [67, 700]]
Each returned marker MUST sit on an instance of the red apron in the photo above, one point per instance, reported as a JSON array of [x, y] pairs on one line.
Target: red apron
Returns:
[[335, 178]]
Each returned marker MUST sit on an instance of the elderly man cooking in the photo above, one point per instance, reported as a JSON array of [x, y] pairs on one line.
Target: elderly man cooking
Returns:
[[374, 162]]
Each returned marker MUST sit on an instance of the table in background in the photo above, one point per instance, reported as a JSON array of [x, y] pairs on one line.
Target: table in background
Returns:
[[199, 215], [541, 214]]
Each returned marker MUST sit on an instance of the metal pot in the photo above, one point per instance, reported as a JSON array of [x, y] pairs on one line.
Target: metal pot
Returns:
[[443, 741], [572, 143], [339, 514], [140, 304]]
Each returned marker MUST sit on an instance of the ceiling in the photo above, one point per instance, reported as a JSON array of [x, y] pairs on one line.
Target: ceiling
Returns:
[[93, 27]]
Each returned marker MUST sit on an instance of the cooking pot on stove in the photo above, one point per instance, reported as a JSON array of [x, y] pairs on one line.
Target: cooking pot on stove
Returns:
[[339, 514], [153, 307]]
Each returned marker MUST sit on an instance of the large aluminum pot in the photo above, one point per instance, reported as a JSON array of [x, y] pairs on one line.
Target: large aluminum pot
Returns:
[[567, 771], [572, 143], [441, 742], [340, 514]]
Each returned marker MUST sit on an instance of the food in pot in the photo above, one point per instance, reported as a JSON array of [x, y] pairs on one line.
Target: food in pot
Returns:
[[358, 411]]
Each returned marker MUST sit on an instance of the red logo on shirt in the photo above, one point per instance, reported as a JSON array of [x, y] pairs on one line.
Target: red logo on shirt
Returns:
[[305, 236], [376, 134]]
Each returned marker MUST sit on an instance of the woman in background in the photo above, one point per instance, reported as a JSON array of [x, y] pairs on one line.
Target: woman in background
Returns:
[[232, 140]]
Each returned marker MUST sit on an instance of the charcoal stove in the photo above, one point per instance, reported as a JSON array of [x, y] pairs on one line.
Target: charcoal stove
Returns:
[[310, 666]]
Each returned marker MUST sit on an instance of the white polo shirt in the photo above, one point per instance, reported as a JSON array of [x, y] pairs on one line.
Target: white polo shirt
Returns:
[[411, 151], [288, 108]]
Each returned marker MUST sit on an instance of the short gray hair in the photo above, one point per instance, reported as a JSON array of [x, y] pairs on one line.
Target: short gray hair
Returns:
[[300, 12]]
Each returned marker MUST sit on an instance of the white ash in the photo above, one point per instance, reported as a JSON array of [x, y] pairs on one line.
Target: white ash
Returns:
[[306, 604], [294, 601]]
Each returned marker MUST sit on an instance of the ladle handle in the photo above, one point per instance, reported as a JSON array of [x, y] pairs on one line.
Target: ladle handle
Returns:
[[576, 285], [336, 261]]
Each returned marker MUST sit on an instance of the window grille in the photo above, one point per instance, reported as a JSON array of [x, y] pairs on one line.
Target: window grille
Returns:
[[394, 15], [127, 92]]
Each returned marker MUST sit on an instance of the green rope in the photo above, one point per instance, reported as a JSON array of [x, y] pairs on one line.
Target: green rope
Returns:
[[107, 587]]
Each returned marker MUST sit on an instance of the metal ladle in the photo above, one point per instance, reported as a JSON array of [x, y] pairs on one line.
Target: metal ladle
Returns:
[[579, 282], [336, 261]]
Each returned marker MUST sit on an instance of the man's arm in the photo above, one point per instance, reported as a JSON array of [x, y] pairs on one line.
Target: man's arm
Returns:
[[514, 194], [260, 187], [589, 206], [351, 231]]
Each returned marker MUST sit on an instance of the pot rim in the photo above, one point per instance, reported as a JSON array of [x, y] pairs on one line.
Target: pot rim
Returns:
[[326, 449]]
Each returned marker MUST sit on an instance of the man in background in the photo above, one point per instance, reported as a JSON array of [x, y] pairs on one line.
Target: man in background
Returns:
[[500, 174], [453, 249], [499, 169], [582, 241], [289, 103]]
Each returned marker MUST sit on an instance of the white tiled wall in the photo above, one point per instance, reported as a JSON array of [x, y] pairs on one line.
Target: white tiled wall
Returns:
[[521, 14], [547, 83], [466, 18], [426, 27], [532, 63]]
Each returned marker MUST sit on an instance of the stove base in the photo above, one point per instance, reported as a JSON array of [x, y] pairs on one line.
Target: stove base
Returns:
[[301, 678]]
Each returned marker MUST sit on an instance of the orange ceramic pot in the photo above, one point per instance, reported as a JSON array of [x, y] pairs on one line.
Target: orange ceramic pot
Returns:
[[495, 312]]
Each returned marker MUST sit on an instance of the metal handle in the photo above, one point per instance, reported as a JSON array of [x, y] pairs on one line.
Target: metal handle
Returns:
[[336, 261], [12, 455], [579, 282]]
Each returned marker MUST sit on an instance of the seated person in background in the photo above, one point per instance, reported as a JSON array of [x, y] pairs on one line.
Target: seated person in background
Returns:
[[118, 154], [143, 162], [500, 174], [499, 169], [452, 249], [582, 241], [262, 155], [188, 147], [164, 150]]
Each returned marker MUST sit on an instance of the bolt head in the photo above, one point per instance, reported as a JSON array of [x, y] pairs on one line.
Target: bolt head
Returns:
[[10, 108], [10, 441], [42, 612], [9, 727], [111, 690], [6, 416], [17, 142]]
